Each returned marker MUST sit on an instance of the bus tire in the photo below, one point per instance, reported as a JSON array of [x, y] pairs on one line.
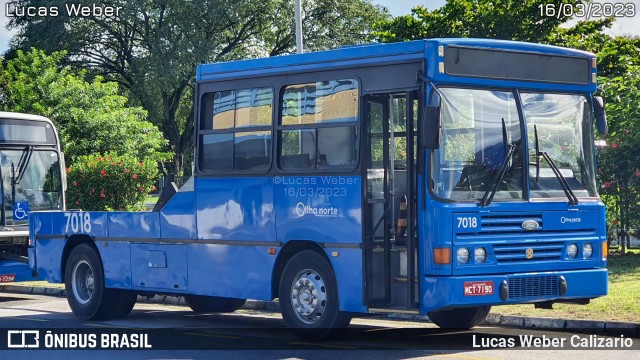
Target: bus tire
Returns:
[[86, 293], [461, 318], [211, 304], [121, 302], [84, 283], [309, 298]]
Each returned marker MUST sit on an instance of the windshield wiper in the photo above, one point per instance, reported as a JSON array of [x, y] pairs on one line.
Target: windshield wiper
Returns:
[[573, 200], [22, 166], [495, 183]]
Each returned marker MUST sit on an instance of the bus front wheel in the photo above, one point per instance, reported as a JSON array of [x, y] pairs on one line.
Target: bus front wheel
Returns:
[[462, 318], [86, 293], [209, 304], [309, 297]]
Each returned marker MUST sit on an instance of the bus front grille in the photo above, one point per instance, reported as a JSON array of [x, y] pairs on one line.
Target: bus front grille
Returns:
[[500, 224], [511, 225], [524, 287], [526, 251]]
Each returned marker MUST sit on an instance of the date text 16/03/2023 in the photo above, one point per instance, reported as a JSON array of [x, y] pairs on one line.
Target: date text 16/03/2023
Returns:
[[69, 9], [589, 10]]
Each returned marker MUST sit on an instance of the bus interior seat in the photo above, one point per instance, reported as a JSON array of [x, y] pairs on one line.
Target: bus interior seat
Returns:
[[253, 163], [295, 161]]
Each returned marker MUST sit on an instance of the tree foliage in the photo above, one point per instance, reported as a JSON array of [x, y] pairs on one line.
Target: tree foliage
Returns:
[[619, 161], [91, 116], [153, 47], [616, 55], [497, 19]]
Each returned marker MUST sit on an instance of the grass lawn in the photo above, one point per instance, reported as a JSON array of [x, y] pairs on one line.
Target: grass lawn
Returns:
[[622, 303], [151, 199]]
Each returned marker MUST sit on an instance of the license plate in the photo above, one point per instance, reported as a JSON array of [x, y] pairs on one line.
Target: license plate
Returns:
[[475, 288], [7, 278]]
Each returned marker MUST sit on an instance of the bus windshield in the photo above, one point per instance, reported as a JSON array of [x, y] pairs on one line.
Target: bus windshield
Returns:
[[479, 126], [38, 188], [559, 125]]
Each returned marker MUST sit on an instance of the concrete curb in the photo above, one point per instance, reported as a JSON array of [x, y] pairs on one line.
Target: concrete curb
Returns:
[[522, 322]]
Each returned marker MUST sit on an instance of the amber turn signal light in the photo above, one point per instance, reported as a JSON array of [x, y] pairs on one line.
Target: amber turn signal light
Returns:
[[442, 256]]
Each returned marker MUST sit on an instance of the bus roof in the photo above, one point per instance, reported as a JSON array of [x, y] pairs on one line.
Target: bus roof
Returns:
[[22, 116], [361, 55]]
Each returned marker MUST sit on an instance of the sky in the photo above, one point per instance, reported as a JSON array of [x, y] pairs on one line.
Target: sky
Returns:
[[628, 25]]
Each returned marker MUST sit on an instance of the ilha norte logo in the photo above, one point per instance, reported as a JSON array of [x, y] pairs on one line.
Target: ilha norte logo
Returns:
[[302, 210]]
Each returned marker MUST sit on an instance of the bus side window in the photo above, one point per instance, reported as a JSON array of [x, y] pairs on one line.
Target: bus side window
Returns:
[[235, 130], [318, 125]]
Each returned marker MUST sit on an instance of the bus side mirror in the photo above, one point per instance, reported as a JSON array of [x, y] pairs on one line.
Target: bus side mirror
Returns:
[[601, 116], [431, 127], [64, 172]]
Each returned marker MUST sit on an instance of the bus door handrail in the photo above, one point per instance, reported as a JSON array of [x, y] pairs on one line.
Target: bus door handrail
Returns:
[[375, 228]]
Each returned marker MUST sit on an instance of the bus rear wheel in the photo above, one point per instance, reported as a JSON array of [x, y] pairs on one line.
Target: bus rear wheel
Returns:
[[209, 304], [462, 318], [309, 297], [86, 294]]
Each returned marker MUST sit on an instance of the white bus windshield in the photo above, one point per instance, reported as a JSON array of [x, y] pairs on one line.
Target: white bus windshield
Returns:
[[478, 126], [40, 185]]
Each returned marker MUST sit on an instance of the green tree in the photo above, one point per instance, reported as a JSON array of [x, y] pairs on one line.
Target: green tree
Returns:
[[497, 19], [153, 46], [616, 55], [325, 23], [619, 161], [91, 117]]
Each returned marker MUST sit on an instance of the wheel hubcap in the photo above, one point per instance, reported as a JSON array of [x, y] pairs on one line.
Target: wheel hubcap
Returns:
[[82, 282], [308, 296]]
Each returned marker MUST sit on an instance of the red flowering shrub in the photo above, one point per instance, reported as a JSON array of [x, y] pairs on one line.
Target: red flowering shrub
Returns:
[[109, 182]]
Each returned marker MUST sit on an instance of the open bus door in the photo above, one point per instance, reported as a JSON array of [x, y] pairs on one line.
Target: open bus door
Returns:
[[389, 208]]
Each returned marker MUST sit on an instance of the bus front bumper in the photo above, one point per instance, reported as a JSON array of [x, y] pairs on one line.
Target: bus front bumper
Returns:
[[481, 290]]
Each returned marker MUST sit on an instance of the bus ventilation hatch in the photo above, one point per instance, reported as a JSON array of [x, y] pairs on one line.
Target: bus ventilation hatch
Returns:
[[524, 287]]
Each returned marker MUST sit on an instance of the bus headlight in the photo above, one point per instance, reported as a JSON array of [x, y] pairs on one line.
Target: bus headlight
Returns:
[[572, 251], [480, 255], [587, 250], [463, 255]]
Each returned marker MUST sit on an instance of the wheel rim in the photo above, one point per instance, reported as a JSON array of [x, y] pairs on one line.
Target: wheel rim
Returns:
[[83, 282], [308, 296]]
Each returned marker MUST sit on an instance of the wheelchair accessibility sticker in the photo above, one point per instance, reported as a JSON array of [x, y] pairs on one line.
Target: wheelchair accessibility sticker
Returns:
[[21, 211]]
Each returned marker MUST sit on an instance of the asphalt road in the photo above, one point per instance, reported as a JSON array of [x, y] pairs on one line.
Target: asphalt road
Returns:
[[176, 332]]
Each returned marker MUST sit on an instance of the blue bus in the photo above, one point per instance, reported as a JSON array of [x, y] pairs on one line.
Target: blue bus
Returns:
[[33, 178], [438, 177]]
